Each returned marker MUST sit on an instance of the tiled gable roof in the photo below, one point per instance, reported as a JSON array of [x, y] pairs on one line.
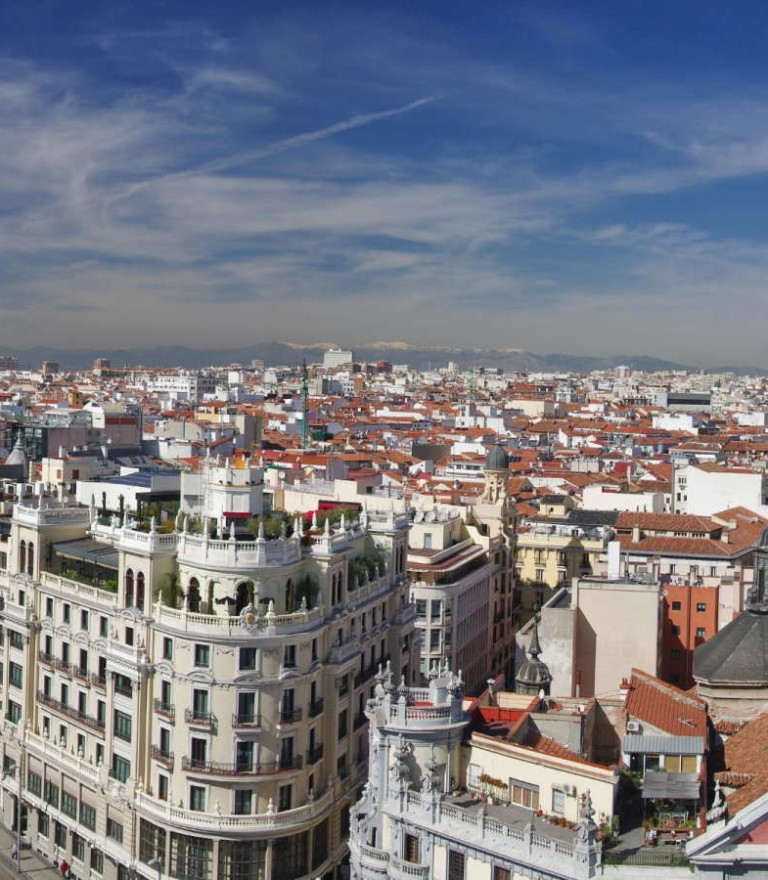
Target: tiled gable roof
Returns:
[[665, 707]]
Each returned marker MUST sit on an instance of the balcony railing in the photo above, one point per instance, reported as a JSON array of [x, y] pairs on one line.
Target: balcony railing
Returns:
[[290, 716], [246, 719], [245, 768], [316, 707], [167, 710], [314, 755], [125, 689], [82, 673], [201, 719], [165, 758], [69, 711], [45, 658], [98, 680]]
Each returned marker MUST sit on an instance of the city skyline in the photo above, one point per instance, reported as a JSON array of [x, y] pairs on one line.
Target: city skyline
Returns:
[[548, 178]]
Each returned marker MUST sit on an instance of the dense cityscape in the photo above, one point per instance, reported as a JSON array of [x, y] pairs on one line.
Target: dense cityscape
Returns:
[[353, 619]]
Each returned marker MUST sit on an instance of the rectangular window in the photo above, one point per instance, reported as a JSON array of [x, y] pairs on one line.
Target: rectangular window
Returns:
[[83, 620], [114, 830], [701, 606], [122, 725], [411, 849], [97, 861], [16, 639], [67, 612], [88, 816], [701, 632], [42, 824], [247, 658], [524, 794], [243, 799], [162, 787], [121, 769], [289, 656], [434, 640], [51, 794], [59, 834], [197, 798], [167, 649], [558, 801], [35, 783], [15, 674], [14, 712], [69, 805], [677, 606], [202, 655], [49, 607], [284, 797], [456, 865], [501, 873], [104, 627], [199, 702], [78, 847], [675, 630]]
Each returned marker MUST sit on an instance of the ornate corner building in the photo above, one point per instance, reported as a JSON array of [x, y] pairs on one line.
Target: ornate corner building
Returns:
[[190, 702]]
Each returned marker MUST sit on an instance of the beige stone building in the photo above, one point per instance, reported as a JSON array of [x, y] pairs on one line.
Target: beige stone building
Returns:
[[190, 702]]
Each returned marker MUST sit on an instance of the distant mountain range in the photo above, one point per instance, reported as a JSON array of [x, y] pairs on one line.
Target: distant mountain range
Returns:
[[278, 353]]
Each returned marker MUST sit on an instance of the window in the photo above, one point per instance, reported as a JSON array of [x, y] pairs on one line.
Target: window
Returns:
[[701, 632], [427, 540], [456, 865], [675, 630], [314, 650], [69, 805], [701, 606], [121, 768], [35, 783], [14, 712], [247, 658], [103, 627], [97, 861], [558, 801], [289, 656], [284, 797], [83, 620], [129, 635], [15, 674], [202, 655], [151, 841], [114, 830], [421, 607], [167, 649], [16, 639], [49, 607], [411, 849], [192, 857], [501, 873], [434, 640], [122, 725], [51, 794], [88, 816], [199, 703], [524, 794], [42, 824], [677, 606], [66, 612], [436, 609], [197, 798], [162, 787], [343, 724], [243, 798], [78, 847]]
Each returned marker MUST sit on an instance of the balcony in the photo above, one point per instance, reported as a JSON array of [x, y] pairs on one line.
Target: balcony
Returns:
[[200, 719], [246, 719], [62, 665], [163, 757], [316, 708], [125, 689], [82, 673], [241, 768], [289, 716], [99, 681], [70, 712], [165, 710], [314, 755], [45, 658]]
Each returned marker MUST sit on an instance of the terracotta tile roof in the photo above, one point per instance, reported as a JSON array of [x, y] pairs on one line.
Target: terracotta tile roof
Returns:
[[681, 546], [665, 522], [745, 755], [665, 707], [547, 746]]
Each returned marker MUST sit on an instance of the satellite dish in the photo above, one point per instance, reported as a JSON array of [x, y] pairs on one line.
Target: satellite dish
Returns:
[[430, 516], [419, 516]]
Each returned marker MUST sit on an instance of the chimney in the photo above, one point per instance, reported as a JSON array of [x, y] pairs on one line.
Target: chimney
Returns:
[[635, 534], [623, 690]]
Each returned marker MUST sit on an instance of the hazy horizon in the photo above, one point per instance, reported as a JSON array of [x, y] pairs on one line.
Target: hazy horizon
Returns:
[[579, 178]]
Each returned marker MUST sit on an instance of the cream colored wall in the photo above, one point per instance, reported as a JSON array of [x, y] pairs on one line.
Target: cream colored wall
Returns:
[[530, 767]]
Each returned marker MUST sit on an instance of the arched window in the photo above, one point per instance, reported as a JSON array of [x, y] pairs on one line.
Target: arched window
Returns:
[[193, 595], [129, 588], [243, 595], [30, 558], [140, 590], [22, 556]]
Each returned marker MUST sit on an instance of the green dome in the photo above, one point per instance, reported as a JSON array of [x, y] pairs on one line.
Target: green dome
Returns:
[[497, 459]]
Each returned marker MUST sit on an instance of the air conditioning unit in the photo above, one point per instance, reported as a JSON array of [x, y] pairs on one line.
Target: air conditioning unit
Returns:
[[633, 727], [570, 790]]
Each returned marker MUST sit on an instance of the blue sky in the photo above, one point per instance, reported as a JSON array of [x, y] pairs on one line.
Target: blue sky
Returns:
[[583, 177]]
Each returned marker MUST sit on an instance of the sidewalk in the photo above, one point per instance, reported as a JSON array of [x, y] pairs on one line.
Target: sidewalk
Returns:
[[32, 865]]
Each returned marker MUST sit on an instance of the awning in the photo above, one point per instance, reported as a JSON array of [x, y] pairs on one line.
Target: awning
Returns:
[[671, 786], [654, 744], [89, 550]]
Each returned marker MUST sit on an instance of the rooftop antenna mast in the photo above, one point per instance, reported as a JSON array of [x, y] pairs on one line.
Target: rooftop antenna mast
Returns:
[[305, 406]]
